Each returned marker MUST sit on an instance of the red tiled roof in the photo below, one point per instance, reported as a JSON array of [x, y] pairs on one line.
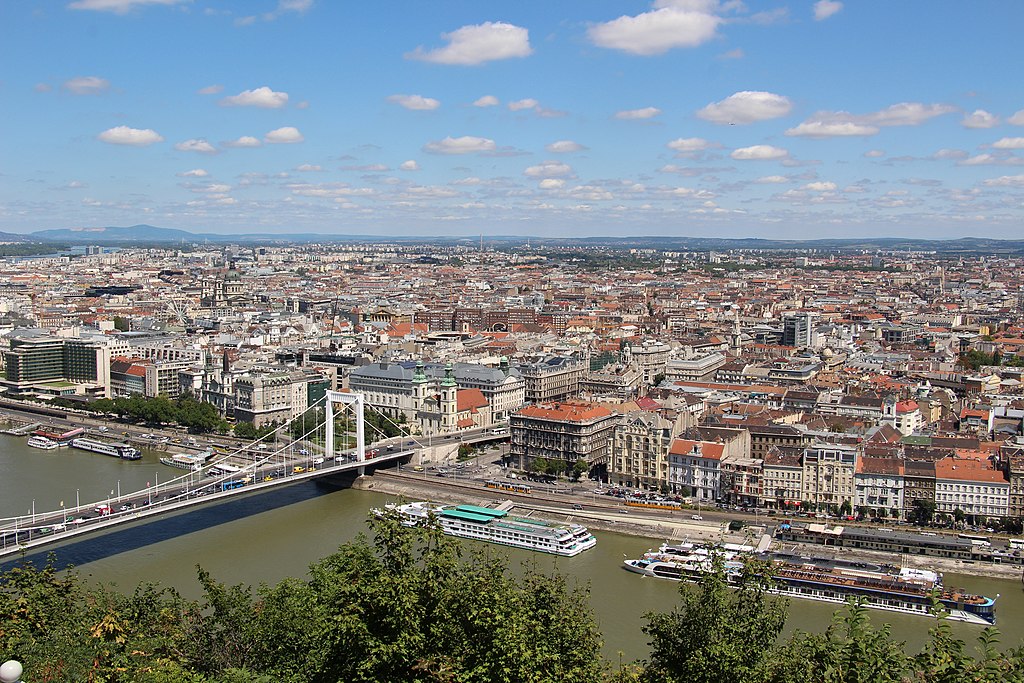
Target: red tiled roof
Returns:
[[565, 412], [708, 449]]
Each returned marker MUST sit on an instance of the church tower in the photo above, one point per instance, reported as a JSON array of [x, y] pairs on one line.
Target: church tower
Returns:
[[449, 400]]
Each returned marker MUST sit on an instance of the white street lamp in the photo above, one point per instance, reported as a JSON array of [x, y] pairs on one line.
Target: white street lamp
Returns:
[[10, 671]]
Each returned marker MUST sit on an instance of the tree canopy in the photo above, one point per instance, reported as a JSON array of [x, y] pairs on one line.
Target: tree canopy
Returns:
[[414, 605]]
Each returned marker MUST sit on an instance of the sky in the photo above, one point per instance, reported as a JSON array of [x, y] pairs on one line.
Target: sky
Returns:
[[786, 120]]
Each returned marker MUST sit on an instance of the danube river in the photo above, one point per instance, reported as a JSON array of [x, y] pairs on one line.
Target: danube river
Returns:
[[265, 538]]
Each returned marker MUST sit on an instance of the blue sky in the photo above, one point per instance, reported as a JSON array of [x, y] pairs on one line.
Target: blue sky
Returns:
[[578, 117]]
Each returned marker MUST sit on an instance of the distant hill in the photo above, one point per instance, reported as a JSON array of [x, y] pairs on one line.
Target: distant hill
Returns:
[[148, 234], [14, 237], [135, 233]]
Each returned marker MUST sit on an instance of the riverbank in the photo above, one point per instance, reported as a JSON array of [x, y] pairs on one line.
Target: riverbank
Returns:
[[674, 526]]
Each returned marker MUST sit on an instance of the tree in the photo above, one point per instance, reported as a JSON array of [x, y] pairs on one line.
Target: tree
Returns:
[[539, 464], [959, 515], [922, 511], [846, 508], [716, 633], [121, 324], [579, 468]]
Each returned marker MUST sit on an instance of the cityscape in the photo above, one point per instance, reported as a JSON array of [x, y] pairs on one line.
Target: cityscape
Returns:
[[328, 305]]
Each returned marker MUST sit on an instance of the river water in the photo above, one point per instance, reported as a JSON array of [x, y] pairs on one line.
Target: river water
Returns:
[[267, 537]]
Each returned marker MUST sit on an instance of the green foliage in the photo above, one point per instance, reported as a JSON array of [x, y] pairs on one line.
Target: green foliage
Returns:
[[410, 606], [250, 432], [922, 511], [414, 605], [717, 633], [200, 417]]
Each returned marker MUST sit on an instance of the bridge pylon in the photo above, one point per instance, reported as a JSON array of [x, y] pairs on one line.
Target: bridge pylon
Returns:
[[345, 398]]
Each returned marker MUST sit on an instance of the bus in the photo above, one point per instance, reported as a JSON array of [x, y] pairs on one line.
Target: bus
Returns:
[[508, 486], [1015, 543], [231, 484], [976, 541]]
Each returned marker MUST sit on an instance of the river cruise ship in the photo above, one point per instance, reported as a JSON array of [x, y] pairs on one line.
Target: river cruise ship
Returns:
[[497, 526], [115, 450], [883, 587]]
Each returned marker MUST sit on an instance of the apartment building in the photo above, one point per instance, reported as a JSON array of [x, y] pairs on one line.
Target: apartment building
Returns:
[[568, 432], [828, 474], [639, 456], [968, 482], [879, 486]]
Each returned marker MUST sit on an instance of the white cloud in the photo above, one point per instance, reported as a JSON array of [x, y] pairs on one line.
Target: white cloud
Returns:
[[283, 7], [42, 87], [260, 97], [946, 153], [564, 146], [467, 144], [119, 6], [476, 44], [745, 107], [874, 153], [415, 102], [520, 105], [823, 9], [736, 53], [366, 168], [309, 168], [487, 101], [548, 169], [1006, 181], [551, 184], [638, 114], [86, 85], [244, 141], [687, 146], [980, 119], [831, 127], [285, 135], [194, 145], [211, 90], [992, 160], [759, 153], [657, 32], [194, 173], [409, 165], [909, 114], [1009, 143], [1017, 119], [772, 180], [821, 186], [826, 124], [136, 137]]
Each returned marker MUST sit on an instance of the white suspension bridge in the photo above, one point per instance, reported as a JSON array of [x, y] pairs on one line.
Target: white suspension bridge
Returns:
[[277, 459]]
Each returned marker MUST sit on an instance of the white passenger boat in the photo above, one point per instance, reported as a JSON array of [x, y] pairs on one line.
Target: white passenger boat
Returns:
[[43, 443], [115, 450], [884, 587], [497, 526], [187, 461]]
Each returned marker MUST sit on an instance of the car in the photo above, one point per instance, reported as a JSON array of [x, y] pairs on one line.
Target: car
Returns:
[[303, 451], [318, 461], [577, 506], [697, 518], [298, 469], [391, 446], [102, 429]]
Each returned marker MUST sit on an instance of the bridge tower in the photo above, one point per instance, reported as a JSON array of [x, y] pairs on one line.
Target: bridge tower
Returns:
[[345, 399]]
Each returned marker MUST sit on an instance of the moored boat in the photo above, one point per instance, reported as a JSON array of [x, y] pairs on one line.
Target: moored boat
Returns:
[[116, 450], [187, 461], [43, 443], [497, 526], [884, 587]]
